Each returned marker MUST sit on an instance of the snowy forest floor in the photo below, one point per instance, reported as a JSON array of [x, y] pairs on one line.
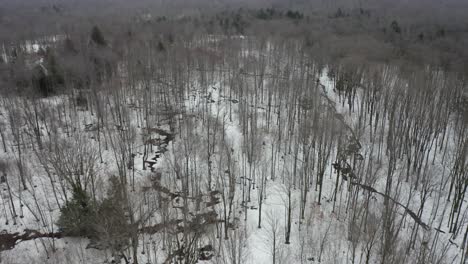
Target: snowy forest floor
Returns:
[[323, 235]]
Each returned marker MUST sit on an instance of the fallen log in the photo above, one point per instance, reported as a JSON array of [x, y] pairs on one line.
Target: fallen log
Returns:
[[8, 241]]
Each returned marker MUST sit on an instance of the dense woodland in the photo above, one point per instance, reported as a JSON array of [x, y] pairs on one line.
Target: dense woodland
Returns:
[[233, 132]]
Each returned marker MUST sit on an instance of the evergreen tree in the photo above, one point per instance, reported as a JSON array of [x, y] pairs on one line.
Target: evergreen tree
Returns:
[[395, 27], [97, 37], [78, 214]]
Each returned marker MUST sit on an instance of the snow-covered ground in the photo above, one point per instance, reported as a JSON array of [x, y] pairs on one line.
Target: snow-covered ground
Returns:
[[323, 235]]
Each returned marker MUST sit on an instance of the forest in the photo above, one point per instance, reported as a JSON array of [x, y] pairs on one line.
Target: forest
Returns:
[[233, 131]]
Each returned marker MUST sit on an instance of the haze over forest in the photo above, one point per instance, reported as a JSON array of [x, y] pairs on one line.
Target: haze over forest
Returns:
[[233, 131]]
